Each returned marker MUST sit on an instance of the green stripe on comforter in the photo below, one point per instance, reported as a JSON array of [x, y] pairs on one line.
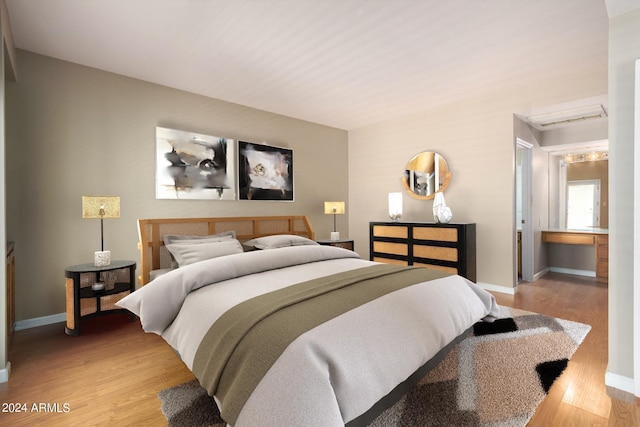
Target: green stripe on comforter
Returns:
[[244, 342]]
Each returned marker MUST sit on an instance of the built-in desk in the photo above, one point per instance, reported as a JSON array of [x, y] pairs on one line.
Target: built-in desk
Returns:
[[593, 237]]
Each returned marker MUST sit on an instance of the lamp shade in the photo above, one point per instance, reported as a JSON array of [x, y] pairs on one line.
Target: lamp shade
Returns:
[[334, 208], [100, 207], [395, 206]]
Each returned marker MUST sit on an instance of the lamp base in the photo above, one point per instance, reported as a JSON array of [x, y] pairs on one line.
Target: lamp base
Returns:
[[335, 235], [102, 258]]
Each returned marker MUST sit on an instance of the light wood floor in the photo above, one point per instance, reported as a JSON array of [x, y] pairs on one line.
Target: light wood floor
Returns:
[[579, 397], [111, 374]]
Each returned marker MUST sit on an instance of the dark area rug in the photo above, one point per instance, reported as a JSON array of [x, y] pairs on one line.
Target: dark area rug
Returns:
[[496, 377]]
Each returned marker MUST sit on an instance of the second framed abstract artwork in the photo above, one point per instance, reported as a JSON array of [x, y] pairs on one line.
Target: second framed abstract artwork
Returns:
[[265, 172]]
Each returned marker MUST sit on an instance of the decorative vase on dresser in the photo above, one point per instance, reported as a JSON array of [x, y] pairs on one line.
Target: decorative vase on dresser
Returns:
[[449, 247]]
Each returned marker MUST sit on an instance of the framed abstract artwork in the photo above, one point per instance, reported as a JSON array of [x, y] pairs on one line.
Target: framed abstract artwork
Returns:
[[194, 166], [265, 172]]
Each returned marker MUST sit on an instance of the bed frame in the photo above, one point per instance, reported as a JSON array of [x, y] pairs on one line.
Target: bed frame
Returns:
[[151, 232]]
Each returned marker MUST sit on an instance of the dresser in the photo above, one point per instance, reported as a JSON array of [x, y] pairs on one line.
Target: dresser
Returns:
[[448, 247]]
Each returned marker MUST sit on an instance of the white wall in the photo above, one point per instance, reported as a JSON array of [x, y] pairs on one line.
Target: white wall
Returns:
[[476, 137], [624, 49]]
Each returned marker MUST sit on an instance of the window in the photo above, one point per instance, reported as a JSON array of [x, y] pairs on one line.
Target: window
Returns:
[[583, 204]]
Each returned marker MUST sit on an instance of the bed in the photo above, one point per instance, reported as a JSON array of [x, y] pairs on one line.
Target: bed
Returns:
[[283, 331]]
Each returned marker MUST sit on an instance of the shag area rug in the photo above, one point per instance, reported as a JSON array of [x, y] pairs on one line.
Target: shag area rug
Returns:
[[495, 377]]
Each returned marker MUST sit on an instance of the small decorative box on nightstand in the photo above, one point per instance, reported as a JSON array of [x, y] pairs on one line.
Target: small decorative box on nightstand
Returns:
[[86, 300], [342, 243]]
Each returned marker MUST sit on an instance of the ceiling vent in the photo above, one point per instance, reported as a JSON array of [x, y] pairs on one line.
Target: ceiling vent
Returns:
[[567, 117]]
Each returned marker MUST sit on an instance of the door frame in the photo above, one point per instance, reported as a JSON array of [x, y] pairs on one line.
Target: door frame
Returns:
[[527, 213], [636, 235]]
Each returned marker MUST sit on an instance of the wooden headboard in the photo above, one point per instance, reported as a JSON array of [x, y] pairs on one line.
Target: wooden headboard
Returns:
[[151, 232]]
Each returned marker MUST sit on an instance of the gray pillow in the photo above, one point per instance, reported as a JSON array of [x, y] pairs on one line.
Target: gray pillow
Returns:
[[279, 241], [189, 253], [175, 238]]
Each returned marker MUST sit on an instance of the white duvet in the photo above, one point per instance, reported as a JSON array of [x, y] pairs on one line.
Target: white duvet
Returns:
[[337, 370]]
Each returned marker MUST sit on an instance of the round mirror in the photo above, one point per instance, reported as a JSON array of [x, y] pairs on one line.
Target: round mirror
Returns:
[[426, 174]]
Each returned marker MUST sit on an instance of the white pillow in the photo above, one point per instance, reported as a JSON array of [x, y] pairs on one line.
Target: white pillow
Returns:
[[189, 253], [279, 241]]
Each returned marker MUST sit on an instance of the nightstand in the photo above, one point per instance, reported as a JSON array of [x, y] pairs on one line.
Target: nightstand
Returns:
[[342, 243], [83, 302]]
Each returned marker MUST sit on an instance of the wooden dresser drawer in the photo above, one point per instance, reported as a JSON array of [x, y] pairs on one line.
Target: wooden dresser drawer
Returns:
[[400, 232], [602, 270], [602, 247], [435, 252], [602, 252], [568, 238], [391, 248], [439, 234]]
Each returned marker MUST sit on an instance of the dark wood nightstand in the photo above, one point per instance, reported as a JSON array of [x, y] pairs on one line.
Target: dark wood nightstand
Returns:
[[342, 243], [83, 302]]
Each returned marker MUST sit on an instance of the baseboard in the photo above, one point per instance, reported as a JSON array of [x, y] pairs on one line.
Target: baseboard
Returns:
[[40, 321], [496, 288], [4, 373], [575, 272], [539, 274], [619, 382]]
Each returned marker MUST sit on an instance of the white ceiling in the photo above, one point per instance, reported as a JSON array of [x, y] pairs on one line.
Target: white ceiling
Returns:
[[342, 63]]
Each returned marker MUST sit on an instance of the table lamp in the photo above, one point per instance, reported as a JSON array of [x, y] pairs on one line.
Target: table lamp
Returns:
[[101, 207], [335, 208]]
